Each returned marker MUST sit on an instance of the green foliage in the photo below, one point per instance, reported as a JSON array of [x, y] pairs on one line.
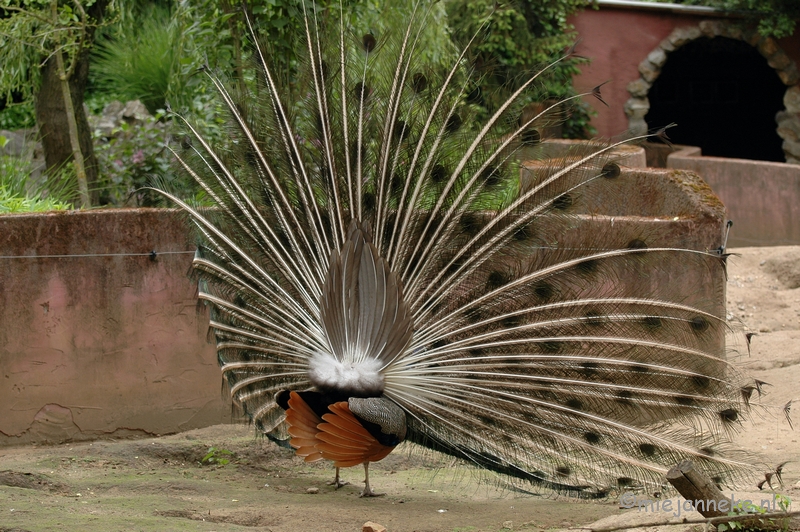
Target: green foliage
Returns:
[[130, 157], [19, 194], [775, 18], [139, 63], [522, 38], [280, 23], [154, 54], [13, 203], [757, 523], [18, 116], [217, 456], [281, 30], [381, 17], [30, 32], [784, 502]]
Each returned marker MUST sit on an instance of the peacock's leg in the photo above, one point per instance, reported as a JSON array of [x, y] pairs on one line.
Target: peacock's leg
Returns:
[[336, 482], [367, 489]]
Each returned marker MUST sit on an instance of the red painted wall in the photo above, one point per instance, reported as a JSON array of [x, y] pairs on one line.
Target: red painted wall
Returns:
[[617, 40]]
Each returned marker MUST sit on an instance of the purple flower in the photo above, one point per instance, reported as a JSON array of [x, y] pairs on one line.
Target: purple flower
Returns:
[[138, 157]]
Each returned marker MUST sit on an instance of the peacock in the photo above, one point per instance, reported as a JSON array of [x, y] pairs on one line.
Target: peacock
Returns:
[[376, 272]]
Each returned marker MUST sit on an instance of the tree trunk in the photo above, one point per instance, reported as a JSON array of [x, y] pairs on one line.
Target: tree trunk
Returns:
[[51, 117], [51, 113]]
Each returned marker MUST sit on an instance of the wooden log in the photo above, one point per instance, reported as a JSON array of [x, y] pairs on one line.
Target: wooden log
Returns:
[[697, 487]]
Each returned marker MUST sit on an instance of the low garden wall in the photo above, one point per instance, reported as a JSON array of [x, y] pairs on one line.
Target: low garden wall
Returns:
[[100, 337], [762, 198]]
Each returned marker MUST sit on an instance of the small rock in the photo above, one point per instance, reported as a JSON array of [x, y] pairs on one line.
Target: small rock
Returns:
[[791, 100], [369, 526], [637, 107], [638, 88], [657, 57], [312, 490], [133, 112]]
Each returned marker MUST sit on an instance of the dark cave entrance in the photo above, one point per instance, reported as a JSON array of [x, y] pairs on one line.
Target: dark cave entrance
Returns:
[[723, 96]]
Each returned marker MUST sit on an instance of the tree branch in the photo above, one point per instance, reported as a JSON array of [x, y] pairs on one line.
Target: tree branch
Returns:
[[711, 521]]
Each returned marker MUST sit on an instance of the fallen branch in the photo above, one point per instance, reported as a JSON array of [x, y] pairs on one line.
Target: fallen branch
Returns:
[[710, 521]]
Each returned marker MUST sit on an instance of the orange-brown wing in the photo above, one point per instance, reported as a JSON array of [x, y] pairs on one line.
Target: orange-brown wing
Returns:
[[342, 439], [303, 424]]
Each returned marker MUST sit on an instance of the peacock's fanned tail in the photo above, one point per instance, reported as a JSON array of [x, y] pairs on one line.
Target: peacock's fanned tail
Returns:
[[572, 369]]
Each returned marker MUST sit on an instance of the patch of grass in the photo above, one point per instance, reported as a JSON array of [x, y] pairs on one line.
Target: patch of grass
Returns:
[[15, 195], [216, 456]]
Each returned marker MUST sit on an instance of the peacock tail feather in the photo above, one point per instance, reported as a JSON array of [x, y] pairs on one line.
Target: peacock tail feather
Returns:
[[370, 237]]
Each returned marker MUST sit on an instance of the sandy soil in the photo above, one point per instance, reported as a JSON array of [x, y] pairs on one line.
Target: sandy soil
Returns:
[[159, 484]]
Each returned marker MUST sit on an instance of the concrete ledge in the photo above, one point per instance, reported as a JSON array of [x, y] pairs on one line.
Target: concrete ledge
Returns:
[[762, 198], [628, 155]]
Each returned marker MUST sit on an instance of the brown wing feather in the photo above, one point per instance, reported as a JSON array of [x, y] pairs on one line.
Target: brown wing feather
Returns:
[[303, 424], [336, 436], [340, 430]]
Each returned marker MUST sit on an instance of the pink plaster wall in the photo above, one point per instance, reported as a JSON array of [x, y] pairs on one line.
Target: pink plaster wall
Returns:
[[616, 40], [97, 346]]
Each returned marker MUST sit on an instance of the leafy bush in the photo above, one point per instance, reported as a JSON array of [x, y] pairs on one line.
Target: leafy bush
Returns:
[[130, 157], [13, 203], [217, 456], [154, 54], [522, 38], [133, 156], [774, 18], [139, 63], [758, 523]]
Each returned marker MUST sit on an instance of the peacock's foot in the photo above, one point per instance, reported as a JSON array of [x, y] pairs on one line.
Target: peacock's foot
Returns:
[[368, 492], [336, 483]]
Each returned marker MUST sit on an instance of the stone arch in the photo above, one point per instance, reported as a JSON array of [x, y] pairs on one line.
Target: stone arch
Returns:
[[788, 120]]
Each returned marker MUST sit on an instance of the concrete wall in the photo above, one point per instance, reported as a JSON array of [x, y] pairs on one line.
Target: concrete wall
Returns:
[[94, 346], [762, 198], [97, 339], [616, 40]]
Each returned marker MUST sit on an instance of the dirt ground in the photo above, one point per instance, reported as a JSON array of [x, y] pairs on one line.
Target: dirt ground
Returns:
[[159, 483]]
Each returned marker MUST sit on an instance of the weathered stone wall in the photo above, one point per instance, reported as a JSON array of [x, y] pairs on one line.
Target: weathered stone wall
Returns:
[[629, 45], [787, 121]]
